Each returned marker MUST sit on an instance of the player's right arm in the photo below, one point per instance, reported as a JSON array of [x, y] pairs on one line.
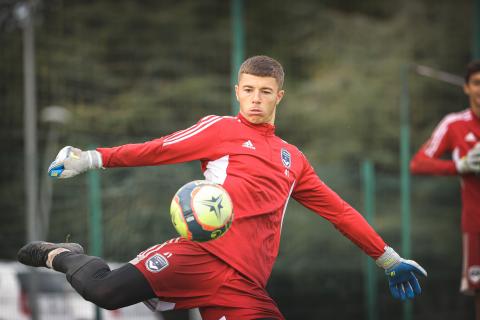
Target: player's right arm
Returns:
[[194, 143], [427, 160]]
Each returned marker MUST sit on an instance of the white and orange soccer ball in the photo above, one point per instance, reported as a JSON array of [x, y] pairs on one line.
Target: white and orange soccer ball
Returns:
[[201, 211]]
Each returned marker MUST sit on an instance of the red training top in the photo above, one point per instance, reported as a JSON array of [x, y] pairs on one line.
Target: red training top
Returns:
[[260, 172]]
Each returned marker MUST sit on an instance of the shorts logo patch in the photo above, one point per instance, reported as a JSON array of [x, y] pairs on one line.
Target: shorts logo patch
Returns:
[[286, 159], [474, 274], [156, 263]]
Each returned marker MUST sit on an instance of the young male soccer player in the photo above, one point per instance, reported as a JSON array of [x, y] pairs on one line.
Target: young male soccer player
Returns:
[[226, 277], [459, 134]]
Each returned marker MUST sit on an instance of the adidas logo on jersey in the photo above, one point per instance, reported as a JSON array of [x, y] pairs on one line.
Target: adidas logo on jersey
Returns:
[[470, 137], [248, 144]]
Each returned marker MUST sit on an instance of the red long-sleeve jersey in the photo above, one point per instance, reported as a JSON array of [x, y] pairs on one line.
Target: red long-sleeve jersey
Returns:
[[261, 172], [456, 134]]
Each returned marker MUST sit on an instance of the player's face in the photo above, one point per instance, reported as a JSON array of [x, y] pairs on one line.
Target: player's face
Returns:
[[472, 89], [258, 98]]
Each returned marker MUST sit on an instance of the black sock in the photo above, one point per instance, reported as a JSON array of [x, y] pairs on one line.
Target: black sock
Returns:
[[61, 262]]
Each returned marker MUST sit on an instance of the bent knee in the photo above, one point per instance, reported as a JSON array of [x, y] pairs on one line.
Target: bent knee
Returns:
[[104, 297]]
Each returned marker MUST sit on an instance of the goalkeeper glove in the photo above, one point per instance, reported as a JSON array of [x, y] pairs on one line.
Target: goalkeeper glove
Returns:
[[401, 274], [470, 163], [71, 161]]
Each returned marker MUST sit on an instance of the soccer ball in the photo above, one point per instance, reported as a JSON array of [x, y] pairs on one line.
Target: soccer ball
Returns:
[[201, 211]]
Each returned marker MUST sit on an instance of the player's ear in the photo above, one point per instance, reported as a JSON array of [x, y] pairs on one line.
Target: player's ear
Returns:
[[280, 95], [466, 89]]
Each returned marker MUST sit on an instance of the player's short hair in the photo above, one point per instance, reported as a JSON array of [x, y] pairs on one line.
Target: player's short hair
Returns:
[[473, 67], [263, 66]]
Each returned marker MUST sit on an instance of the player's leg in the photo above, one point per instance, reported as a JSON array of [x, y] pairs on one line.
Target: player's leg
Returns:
[[182, 274], [230, 313], [90, 276], [241, 298], [109, 289], [477, 304], [470, 283]]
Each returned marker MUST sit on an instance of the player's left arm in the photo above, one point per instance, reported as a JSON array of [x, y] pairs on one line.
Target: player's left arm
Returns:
[[312, 193]]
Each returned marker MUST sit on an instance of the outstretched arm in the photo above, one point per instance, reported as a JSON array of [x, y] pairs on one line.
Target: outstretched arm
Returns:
[[195, 143], [315, 195]]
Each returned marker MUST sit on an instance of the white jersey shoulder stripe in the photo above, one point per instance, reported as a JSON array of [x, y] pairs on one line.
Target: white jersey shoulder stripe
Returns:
[[191, 132], [189, 129], [202, 122], [442, 128]]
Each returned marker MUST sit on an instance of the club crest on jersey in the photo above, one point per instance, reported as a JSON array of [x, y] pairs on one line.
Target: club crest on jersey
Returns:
[[286, 159], [156, 263], [474, 274]]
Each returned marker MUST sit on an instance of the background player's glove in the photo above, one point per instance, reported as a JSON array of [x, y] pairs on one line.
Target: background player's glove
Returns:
[[470, 162], [401, 274], [71, 161]]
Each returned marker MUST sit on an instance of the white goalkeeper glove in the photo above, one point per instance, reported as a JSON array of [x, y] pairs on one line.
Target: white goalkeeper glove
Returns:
[[470, 163], [71, 161], [401, 274]]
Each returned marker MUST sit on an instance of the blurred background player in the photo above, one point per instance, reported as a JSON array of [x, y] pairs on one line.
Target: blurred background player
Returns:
[[459, 135], [226, 277]]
